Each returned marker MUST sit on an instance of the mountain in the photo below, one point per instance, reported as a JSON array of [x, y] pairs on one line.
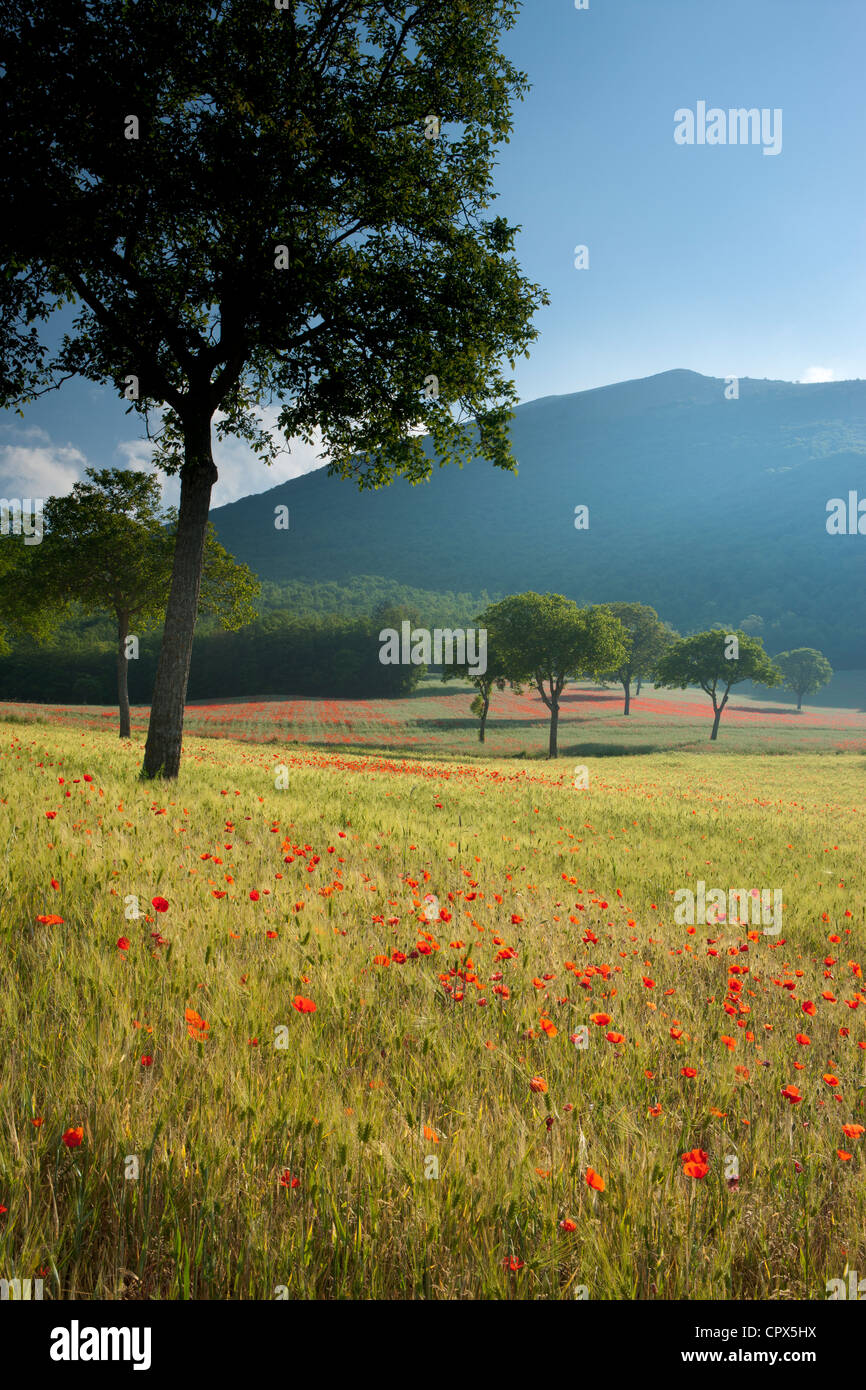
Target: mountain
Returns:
[[712, 510]]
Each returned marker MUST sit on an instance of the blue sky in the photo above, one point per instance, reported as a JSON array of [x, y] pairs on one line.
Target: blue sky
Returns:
[[718, 258]]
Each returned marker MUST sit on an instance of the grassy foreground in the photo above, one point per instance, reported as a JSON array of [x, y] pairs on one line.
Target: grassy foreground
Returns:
[[455, 929]]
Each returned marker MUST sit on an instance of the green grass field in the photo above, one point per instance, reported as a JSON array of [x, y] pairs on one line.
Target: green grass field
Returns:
[[455, 926]]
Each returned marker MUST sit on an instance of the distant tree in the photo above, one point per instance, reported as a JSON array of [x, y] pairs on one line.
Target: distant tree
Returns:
[[548, 639], [805, 671], [495, 677], [109, 545], [250, 204], [648, 637], [716, 661]]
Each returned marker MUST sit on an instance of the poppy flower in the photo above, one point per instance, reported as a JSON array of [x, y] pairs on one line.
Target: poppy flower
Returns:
[[73, 1137], [50, 920], [601, 1020], [512, 1263], [792, 1094], [538, 1083], [196, 1026], [568, 1225], [853, 1131], [843, 1155], [287, 1179], [431, 1135], [695, 1163], [123, 943], [159, 904], [147, 1061], [690, 1072], [655, 1110], [303, 1006], [594, 1180]]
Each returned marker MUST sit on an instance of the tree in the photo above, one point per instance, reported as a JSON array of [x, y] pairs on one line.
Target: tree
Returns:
[[805, 671], [109, 546], [547, 639], [248, 204], [24, 611], [647, 636], [716, 661], [494, 677]]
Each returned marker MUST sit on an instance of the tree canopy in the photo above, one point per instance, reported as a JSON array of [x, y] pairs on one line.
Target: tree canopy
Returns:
[[646, 638], [716, 661], [805, 671], [548, 639]]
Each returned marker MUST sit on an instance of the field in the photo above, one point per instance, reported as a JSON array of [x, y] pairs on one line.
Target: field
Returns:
[[406, 1029], [436, 722]]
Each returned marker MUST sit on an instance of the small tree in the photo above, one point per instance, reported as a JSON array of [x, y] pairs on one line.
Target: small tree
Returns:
[[716, 661], [495, 677], [805, 671], [547, 639], [648, 637], [109, 546]]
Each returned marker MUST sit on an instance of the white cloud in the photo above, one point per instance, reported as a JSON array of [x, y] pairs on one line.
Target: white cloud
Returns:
[[48, 470], [813, 375]]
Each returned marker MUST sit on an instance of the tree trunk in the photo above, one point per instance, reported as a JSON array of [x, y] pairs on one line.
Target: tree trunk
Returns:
[[483, 725], [626, 685], [639, 684], [554, 721], [799, 701], [717, 716], [165, 729], [123, 674]]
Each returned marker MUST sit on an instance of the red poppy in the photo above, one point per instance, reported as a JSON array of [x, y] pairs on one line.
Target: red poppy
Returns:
[[303, 1006], [695, 1163], [594, 1180], [196, 1026], [160, 904], [73, 1137]]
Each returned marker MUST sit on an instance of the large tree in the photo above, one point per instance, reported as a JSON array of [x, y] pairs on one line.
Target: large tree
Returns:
[[647, 637], [805, 671], [109, 546], [248, 203], [547, 639], [716, 661]]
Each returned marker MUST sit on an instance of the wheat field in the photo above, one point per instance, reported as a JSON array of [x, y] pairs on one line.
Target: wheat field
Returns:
[[313, 1025]]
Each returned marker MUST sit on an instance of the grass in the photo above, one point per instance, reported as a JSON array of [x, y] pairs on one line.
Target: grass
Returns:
[[394, 1069]]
